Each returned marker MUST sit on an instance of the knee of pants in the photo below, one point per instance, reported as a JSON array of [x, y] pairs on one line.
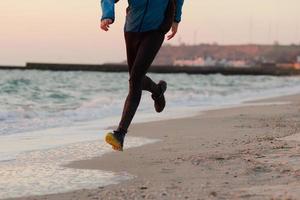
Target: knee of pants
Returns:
[[135, 82]]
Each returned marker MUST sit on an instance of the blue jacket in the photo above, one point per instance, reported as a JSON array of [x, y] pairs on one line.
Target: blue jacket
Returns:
[[142, 15]]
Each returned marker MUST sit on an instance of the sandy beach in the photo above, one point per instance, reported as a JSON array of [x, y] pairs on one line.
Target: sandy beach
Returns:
[[247, 152]]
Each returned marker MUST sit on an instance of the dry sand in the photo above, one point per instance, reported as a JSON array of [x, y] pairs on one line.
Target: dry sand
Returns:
[[232, 153]]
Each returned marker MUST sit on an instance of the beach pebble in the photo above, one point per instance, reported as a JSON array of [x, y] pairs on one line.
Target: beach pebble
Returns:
[[213, 193], [143, 188], [164, 194]]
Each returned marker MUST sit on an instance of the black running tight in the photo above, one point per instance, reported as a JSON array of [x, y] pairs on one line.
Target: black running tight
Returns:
[[141, 50]]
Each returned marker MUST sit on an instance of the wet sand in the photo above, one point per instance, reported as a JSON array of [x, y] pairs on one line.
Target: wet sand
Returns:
[[248, 152]]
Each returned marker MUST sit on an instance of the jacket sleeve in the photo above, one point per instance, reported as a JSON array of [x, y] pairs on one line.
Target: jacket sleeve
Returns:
[[108, 9], [179, 4]]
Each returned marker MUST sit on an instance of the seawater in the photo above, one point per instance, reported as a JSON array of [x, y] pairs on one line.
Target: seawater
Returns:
[[50, 118], [33, 100], [43, 172]]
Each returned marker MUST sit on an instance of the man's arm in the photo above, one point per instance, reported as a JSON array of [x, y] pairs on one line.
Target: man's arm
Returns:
[[178, 12], [108, 13], [177, 19], [108, 9]]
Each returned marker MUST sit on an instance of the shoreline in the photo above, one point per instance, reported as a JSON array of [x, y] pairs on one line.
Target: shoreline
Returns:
[[150, 117], [167, 169]]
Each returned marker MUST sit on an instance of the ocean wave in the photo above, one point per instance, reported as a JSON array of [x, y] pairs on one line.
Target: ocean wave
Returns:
[[41, 99]]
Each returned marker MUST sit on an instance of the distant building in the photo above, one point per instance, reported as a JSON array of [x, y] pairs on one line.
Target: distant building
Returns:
[[286, 65], [223, 62], [196, 62], [297, 64], [237, 63], [208, 61], [268, 64]]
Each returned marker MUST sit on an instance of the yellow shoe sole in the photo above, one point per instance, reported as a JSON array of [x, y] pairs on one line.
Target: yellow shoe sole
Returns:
[[110, 139]]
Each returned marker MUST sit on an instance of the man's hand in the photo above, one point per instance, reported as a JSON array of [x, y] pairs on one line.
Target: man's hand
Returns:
[[173, 30], [105, 24]]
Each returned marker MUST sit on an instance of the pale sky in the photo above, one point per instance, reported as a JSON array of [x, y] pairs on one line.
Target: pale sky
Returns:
[[68, 31]]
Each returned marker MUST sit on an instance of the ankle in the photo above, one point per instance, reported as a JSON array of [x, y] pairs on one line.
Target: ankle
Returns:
[[121, 131]]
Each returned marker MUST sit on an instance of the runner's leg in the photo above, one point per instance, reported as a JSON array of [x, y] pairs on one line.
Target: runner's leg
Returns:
[[149, 46], [133, 41]]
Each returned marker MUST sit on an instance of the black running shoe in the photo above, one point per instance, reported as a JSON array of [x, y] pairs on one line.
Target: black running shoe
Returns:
[[160, 101]]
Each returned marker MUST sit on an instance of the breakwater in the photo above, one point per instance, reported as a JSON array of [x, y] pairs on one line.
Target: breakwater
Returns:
[[255, 70]]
